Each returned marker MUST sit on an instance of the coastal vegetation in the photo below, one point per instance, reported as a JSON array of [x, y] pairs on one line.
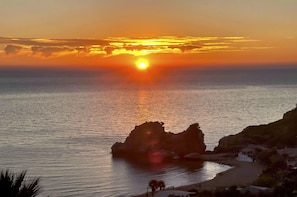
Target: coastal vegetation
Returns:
[[17, 185], [278, 174], [155, 185]]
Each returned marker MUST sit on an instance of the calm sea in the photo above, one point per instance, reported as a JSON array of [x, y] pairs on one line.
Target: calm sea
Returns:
[[60, 124]]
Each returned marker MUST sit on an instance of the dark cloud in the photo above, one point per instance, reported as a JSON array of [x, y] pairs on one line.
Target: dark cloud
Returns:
[[4, 40], [184, 48], [54, 42], [109, 50], [12, 49], [137, 47], [49, 51]]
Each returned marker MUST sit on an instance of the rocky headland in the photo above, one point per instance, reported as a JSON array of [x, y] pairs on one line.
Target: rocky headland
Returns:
[[150, 142], [281, 133]]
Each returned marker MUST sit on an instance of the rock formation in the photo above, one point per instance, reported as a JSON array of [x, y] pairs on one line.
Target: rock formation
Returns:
[[280, 134], [149, 141]]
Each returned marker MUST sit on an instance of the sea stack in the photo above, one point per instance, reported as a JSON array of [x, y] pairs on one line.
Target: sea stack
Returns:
[[151, 143]]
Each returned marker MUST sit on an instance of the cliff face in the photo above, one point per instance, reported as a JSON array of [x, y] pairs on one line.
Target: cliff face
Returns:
[[149, 141], [280, 133]]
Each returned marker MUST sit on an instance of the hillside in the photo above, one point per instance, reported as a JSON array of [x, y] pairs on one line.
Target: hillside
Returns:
[[281, 133]]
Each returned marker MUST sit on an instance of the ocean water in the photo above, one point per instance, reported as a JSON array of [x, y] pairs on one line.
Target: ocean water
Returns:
[[60, 124]]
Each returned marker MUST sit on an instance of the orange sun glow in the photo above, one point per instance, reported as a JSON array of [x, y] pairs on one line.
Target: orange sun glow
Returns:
[[142, 64]]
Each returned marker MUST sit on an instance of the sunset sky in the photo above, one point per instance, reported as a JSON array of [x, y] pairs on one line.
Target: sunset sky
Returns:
[[165, 32]]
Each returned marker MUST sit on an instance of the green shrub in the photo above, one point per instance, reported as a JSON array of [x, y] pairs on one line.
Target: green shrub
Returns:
[[16, 185], [266, 181]]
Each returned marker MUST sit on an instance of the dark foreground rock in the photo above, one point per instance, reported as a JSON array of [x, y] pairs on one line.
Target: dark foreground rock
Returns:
[[149, 141], [282, 133]]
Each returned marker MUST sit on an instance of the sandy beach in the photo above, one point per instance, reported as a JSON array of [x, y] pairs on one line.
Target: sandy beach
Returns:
[[241, 174]]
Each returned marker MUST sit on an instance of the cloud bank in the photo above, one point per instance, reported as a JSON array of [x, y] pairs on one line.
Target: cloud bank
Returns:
[[113, 46]]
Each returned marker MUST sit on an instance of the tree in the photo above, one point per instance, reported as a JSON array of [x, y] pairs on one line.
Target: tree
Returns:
[[153, 184], [12, 185], [161, 185]]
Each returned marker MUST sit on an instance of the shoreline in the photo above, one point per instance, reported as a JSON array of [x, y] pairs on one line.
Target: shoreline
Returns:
[[241, 173]]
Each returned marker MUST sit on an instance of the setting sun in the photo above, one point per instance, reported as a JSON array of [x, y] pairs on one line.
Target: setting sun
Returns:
[[142, 64]]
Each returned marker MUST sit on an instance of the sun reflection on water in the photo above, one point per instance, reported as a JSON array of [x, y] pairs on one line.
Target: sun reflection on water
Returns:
[[142, 106]]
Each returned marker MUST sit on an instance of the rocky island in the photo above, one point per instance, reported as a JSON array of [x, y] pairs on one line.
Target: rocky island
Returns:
[[150, 142]]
